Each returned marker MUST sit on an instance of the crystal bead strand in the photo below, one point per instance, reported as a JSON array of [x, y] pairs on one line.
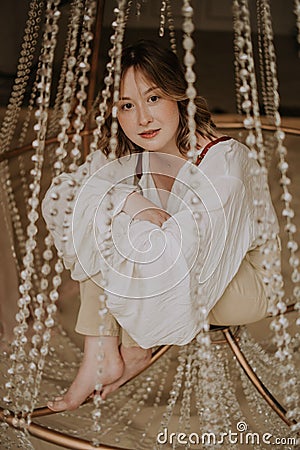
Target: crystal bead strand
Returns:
[[11, 117], [19, 250], [253, 352], [175, 390], [226, 397], [112, 405], [266, 366], [24, 180], [64, 122], [254, 139], [171, 27], [132, 391], [30, 107], [61, 152], [6, 440], [108, 80], [119, 26], [143, 392], [280, 323], [9, 125], [56, 281], [257, 409], [249, 105], [18, 355], [247, 81], [8, 229], [120, 413], [257, 412], [23, 70], [297, 13], [41, 338], [217, 396], [11, 213], [207, 377], [83, 68], [36, 250], [159, 380], [243, 37], [138, 8], [45, 308], [26, 196], [138, 391], [21, 440], [75, 153], [269, 82], [203, 339], [63, 140], [105, 94], [67, 85], [233, 382], [190, 76], [238, 42], [81, 95], [189, 60], [272, 97], [184, 422], [162, 23], [243, 68]]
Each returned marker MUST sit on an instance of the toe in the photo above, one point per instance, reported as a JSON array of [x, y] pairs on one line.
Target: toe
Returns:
[[109, 388], [58, 404]]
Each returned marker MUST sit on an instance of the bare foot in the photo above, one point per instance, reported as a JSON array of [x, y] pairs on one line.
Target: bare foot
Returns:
[[86, 379], [135, 360]]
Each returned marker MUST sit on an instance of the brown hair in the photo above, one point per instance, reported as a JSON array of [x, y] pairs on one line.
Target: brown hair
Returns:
[[162, 67]]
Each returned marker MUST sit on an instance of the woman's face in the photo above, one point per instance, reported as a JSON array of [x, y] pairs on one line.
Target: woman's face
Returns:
[[148, 120]]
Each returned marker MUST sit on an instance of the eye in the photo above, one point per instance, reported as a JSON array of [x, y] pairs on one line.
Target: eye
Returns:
[[153, 98], [126, 106]]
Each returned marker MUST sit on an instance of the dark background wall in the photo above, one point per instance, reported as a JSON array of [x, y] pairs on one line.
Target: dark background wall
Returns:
[[213, 37]]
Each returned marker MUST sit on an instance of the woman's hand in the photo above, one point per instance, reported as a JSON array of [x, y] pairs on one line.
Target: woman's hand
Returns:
[[139, 207], [154, 215]]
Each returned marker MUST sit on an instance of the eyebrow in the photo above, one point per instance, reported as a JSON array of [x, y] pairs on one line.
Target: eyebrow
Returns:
[[152, 88]]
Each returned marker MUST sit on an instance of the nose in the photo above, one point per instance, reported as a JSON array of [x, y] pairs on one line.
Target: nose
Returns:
[[145, 115]]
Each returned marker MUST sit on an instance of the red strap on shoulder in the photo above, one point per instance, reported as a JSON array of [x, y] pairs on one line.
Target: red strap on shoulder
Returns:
[[208, 146]]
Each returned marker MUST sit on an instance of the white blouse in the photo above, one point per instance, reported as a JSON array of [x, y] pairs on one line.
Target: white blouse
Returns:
[[154, 274]]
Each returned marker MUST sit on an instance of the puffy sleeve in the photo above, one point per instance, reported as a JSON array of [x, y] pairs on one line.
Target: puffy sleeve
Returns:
[[226, 235], [71, 204], [151, 289], [149, 285]]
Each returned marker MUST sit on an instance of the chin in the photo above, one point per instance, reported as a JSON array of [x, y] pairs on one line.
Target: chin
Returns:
[[149, 148]]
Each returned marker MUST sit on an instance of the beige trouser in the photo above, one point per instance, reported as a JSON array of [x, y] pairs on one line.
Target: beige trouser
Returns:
[[244, 300]]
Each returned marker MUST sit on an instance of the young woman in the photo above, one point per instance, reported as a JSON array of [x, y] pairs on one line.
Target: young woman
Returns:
[[166, 258]]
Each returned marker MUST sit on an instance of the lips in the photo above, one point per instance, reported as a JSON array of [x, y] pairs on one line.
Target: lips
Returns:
[[149, 134]]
